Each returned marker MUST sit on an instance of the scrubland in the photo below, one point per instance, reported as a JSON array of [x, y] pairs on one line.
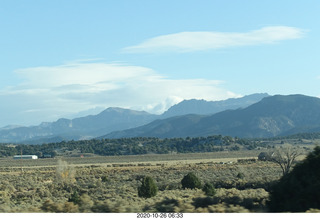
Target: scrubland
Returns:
[[110, 184]]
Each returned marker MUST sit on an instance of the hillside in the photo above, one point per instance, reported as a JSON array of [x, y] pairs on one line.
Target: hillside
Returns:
[[272, 116], [109, 120], [114, 119], [203, 107]]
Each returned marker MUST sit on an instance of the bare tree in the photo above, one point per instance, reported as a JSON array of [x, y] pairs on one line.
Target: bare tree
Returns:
[[285, 156]]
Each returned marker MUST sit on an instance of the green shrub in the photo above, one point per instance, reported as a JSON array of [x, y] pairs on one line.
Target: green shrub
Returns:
[[190, 181], [240, 175], [204, 202], [75, 198], [148, 188], [298, 191], [105, 179], [209, 189]]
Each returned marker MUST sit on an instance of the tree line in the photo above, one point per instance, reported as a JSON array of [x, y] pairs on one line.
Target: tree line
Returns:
[[132, 146]]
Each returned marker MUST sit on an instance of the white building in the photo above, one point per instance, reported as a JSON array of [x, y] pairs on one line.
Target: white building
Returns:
[[25, 157]]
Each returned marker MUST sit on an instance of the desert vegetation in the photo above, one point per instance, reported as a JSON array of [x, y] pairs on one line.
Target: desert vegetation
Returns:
[[223, 181], [99, 188]]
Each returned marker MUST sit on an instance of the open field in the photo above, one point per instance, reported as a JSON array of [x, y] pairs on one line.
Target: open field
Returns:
[[109, 184], [135, 159]]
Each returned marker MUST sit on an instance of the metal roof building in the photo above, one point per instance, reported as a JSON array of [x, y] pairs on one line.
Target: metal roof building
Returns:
[[25, 157]]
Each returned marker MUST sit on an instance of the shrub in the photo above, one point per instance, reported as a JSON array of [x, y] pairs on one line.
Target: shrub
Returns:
[[227, 208], [85, 203], [101, 207], [203, 202], [148, 188], [75, 198], [264, 156], [190, 181], [298, 191], [50, 206], [167, 205], [209, 189], [67, 207], [105, 179], [240, 175], [70, 207]]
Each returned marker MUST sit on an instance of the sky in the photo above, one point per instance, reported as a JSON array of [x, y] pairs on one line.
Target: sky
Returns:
[[65, 59]]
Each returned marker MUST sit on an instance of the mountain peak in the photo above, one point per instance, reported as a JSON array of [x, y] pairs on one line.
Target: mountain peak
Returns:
[[272, 116], [111, 119], [124, 111], [203, 107]]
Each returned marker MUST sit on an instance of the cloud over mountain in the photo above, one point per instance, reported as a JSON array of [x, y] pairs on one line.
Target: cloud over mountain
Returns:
[[50, 92]]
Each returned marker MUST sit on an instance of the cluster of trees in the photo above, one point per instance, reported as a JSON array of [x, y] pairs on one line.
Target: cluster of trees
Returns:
[[149, 188], [310, 136], [133, 146], [40, 151]]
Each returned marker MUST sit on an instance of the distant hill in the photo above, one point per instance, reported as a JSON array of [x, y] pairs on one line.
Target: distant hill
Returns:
[[111, 119], [203, 107], [272, 116]]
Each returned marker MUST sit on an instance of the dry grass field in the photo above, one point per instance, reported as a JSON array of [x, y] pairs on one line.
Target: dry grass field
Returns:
[[109, 184]]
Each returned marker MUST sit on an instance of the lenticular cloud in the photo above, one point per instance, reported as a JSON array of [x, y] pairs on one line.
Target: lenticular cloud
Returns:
[[197, 41]]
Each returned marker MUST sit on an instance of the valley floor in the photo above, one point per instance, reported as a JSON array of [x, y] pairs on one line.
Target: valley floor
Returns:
[[109, 184]]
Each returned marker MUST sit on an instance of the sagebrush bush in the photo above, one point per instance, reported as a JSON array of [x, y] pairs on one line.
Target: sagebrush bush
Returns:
[[227, 208], [105, 179], [167, 205], [85, 203], [240, 175], [148, 188], [191, 181], [75, 198], [101, 207], [209, 189]]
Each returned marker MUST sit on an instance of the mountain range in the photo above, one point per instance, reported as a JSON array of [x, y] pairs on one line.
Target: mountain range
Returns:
[[203, 107], [87, 127], [256, 115], [270, 117]]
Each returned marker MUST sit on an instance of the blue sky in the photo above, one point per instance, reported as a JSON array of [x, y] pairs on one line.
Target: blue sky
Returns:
[[72, 58]]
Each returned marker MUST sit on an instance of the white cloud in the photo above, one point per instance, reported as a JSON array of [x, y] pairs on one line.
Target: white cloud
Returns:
[[49, 93], [81, 74], [197, 41]]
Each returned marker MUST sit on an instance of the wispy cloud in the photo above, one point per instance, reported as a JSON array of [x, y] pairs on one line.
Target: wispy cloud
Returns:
[[197, 41], [51, 92]]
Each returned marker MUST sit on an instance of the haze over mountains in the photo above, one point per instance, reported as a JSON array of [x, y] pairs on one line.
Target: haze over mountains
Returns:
[[86, 127], [270, 117], [114, 119], [256, 115]]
